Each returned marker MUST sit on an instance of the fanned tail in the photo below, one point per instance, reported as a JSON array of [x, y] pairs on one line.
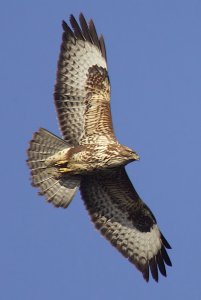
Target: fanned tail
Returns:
[[58, 189]]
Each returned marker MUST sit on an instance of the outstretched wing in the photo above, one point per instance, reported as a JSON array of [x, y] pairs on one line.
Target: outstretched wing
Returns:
[[127, 222], [82, 90]]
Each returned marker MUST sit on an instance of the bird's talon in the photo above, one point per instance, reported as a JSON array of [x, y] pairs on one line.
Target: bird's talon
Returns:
[[64, 170]]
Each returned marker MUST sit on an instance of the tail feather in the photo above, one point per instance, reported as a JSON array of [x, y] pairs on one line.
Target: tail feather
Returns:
[[42, 148], [44, 137], [57, 189]]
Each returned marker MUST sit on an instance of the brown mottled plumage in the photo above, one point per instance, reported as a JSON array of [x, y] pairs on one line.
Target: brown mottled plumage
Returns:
[[90, 157]]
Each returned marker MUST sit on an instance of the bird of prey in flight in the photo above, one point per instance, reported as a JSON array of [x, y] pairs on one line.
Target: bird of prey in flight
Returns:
[[90, 158]]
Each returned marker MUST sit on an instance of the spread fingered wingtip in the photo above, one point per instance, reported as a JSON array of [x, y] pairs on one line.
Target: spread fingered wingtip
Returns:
[[77, 31], [93, 32], [165, 242], [66, 28]]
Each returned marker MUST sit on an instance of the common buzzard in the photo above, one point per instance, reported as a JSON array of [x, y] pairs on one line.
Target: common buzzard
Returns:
[[90, 158]]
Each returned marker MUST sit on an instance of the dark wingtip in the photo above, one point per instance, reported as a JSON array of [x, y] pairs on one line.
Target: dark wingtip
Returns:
[[166, 257], [81, 16], [85, 28], [160, 264], [165, 242], [76, 28], [71, 17], [102, 46], [85, 32], [93, 33], [153, 268], [145, 273], [64, 25], [66, 28]]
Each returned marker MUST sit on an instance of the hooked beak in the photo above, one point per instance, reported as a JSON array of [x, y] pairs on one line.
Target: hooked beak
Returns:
[[136, 156]]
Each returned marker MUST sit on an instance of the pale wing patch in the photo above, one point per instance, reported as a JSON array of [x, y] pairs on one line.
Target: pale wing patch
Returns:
[[122, 217]]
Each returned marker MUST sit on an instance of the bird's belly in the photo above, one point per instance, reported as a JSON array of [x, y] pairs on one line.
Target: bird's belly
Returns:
[[85, 167]]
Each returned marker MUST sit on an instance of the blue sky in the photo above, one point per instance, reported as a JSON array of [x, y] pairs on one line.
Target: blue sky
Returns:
[[153, 50]]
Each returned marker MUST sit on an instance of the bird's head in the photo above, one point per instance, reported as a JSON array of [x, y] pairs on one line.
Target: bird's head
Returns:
[[120, 155], [129, 155]]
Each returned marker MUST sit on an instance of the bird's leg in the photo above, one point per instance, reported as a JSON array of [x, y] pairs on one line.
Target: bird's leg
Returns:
[[65, 170], [62, 166]]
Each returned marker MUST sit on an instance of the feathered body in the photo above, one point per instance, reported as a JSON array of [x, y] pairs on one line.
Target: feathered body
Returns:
[[90, 158]]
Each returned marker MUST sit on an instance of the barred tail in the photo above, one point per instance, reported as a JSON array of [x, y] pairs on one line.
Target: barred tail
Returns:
[[57, 189]]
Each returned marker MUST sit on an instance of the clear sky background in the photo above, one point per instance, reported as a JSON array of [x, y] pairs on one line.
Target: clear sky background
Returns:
[[154, 56]]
